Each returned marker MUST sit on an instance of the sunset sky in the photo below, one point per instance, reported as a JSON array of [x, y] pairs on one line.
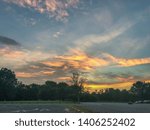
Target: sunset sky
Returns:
[[108, 40]]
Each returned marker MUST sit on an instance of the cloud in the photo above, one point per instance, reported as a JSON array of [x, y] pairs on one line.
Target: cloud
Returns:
[[57, 34], [125, 62], [77, 60], [119, 77], [64, 78], [8, 41], [132, 62], [54, 8], [113, 79], [89, 40], [17, 57], [32, 75], [46, 65], [53, 63], [104, 17], [116, 85]]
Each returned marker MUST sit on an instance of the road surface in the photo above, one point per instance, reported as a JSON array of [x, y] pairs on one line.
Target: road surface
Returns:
[[34, 108], [70, 107], [116, 107]]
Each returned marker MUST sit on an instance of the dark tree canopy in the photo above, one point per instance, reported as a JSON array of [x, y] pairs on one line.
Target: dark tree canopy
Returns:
[[77, 80], [141, 90], [8, 83], [11, 89]]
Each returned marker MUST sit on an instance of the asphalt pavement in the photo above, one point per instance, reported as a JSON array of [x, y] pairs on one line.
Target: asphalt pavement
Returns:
[[116, 107], [68, 108], [34, 108]]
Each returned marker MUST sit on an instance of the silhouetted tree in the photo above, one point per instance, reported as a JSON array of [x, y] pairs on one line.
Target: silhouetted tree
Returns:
[[32, 92], [21, 91], [147, 91], [77, 80], [63, 89], [11, 89], [49, 91], [8, 83], [138, 90]]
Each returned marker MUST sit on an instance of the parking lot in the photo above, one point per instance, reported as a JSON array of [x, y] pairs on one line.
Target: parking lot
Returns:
[[71, 107]]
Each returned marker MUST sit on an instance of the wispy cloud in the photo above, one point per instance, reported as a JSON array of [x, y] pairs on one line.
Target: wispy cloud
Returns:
[[64, 78], [76, 60], [53, 63], [87, 41], [133, 62], [10, 56], [31, 75], [57, 34], [126, 62], [55, 8], [59, 67]]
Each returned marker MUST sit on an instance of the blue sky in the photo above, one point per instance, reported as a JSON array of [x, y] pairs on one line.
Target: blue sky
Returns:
[[48, 39]]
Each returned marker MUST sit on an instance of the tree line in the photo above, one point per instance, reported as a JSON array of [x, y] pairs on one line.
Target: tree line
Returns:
[[13, 90]]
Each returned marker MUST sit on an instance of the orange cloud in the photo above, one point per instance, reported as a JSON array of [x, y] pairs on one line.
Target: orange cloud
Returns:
[[53, 63], [15, 54], [74, 60], [133, 62], [77, 59], [34, 67], [32, 75], [18, 57], [8, 53], [46, 72], [80, 60], [126, 62], [25, 75], [64, 78]]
